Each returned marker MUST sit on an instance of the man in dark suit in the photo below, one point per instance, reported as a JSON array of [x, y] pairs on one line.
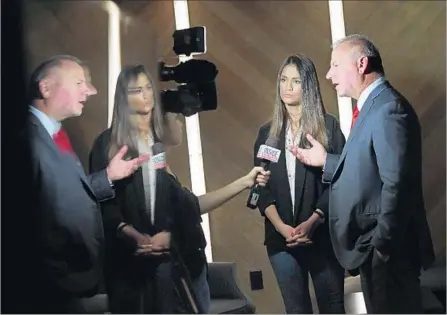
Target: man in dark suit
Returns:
[[377, 218], [67, 245]]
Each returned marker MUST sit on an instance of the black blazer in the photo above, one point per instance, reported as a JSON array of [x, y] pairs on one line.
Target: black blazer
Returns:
[[188, 232], [310, 192], [129, 206]]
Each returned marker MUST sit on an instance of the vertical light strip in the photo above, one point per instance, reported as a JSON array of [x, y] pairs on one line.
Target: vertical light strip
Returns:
[[344, 103], [181, 14], [114, 54], [338, 31]]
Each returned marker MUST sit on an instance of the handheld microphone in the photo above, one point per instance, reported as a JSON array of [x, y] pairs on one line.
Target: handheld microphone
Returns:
[[268, 153], [158, 156]]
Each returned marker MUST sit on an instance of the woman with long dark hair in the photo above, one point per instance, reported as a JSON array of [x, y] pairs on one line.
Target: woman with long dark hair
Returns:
[[294, 201], [137, 222]]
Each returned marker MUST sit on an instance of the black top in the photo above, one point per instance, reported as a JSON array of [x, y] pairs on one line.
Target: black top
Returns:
[[188, 235], [129, 206], [310, 192]]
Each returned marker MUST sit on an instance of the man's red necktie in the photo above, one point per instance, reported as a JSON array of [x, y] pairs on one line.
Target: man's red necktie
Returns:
[[355, 114], [63, 142]]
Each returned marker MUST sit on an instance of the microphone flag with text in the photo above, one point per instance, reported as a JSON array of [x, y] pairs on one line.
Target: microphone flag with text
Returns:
[[158, 156], [268, 153]]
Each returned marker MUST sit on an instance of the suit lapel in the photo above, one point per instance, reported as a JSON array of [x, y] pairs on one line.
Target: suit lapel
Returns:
[[283, 178], [300, 179], [43, 133], [138, 186], [363, 113]]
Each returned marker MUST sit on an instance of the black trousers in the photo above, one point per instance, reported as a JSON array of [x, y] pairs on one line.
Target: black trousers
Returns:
[[50, 302], [391, 287], [147, 288]]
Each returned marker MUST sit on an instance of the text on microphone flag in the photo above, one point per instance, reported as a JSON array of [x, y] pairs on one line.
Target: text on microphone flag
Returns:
[[159, 160], [268, 153]]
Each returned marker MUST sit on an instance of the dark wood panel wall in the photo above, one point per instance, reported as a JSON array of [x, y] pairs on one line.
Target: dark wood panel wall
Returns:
[[151, 25], [248, 40], [78, 28], [411, 37]]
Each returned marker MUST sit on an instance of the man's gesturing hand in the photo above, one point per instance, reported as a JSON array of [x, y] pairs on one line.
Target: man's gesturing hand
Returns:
[[315, 156], [119, 168]]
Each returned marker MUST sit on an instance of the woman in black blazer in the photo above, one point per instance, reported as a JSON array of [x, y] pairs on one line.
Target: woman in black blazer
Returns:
[[295, 202], [138, 221]]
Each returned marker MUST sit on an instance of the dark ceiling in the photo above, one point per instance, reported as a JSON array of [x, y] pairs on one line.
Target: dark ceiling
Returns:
[[131, 6]]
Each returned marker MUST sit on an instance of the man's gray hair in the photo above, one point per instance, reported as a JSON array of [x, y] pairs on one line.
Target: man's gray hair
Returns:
[[365, 48], [43, 70]]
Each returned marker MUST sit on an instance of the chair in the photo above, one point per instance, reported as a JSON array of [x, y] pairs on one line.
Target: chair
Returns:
[[433, 285], [226, 296]]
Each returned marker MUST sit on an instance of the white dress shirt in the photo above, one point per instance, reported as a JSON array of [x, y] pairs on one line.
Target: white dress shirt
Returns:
[[364, 95], [291, 161], [149, 176], [50, 124]]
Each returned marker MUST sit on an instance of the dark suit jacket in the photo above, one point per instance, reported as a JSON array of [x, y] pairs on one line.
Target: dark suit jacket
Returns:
[[129, 206], [68, 227], [310, 192], [376, 184]]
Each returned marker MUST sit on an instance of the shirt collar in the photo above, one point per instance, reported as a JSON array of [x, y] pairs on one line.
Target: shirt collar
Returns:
[[51, 125], [366, 92]]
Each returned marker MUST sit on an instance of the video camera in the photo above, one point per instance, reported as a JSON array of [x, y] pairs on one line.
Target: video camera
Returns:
[[196, 91]]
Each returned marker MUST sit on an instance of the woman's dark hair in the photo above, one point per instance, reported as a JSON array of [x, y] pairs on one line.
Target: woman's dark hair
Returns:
[[312, 110], [123, 131]]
